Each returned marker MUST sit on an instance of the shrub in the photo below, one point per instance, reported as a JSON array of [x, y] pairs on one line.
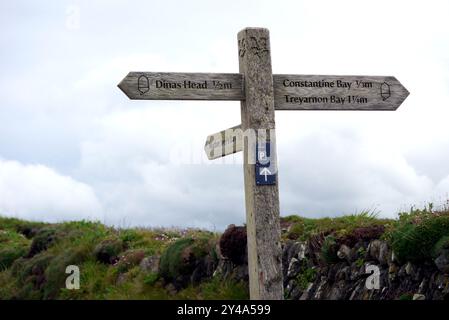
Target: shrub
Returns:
[[12, 246], [406, 296], [295, 231], [151, 278], [42, 241], [129, 236], [359, 262], [181, 258], [329, 250], [219, 289], [55, 275], [415, 241], [18, 225], [9, 255], [30, 275], [362, 234], [442, 244], [307, 276], [171, 260], [29, 230], [107, 251], [356, 225], [172, 263], [130, 259], [233, 244]]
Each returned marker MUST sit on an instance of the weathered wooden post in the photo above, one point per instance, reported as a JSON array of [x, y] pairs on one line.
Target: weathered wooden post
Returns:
[[262, 201]]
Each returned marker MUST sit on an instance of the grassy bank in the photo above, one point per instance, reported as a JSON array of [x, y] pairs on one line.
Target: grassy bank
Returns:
[[33, 256]]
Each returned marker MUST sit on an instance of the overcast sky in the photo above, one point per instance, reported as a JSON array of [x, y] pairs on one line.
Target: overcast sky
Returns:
[[73, 146]]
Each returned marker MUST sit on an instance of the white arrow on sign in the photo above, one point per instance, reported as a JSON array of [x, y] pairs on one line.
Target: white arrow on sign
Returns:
[[265, 172]]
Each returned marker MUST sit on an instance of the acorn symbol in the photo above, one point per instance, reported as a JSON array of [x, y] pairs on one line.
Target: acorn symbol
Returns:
[[385, 91], [143, 84]]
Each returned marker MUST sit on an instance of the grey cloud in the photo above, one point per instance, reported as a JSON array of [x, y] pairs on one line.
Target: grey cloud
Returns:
[[63, 116]]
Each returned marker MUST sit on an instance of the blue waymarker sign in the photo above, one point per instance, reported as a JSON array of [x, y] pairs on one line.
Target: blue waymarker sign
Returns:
[[265, 168]]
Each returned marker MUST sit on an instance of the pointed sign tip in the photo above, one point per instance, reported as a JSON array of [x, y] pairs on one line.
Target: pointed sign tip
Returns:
[[122, 86], [405, 94]]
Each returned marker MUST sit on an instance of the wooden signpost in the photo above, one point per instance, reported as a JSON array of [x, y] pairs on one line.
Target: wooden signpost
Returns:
[[261, 93], [183, 86], [308, 92]]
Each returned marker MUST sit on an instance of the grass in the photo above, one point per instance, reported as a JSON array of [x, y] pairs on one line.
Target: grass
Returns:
[[171, 261], [419, 235], [42, 274], [34, 255], [181, 258], [303, 228], [329, 250], [306, 275], [12, 246], [441, 245], [406, 296], [416, 236]]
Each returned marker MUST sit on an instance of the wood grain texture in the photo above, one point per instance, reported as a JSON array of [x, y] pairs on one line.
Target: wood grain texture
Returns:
[[224, 143], [347, 92], [182, 86], [262, 202]]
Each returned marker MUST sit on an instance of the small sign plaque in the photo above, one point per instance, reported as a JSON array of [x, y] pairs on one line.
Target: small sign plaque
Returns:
[[265, 166]]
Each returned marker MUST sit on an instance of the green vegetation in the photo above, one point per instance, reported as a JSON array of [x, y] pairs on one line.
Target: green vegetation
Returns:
[[181, 257], [12, 246], [162, 263], [419, 234], [442, 244], [151, 278], [415, 236], [171, 261], [361, 253], [329, 250], [359, 262], [34, 257], [303, 228], [217, 289], [406, 296], [306, 275], [108, 251]]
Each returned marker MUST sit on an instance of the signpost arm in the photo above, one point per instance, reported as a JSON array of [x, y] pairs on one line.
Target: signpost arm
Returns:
[[262, 202]]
